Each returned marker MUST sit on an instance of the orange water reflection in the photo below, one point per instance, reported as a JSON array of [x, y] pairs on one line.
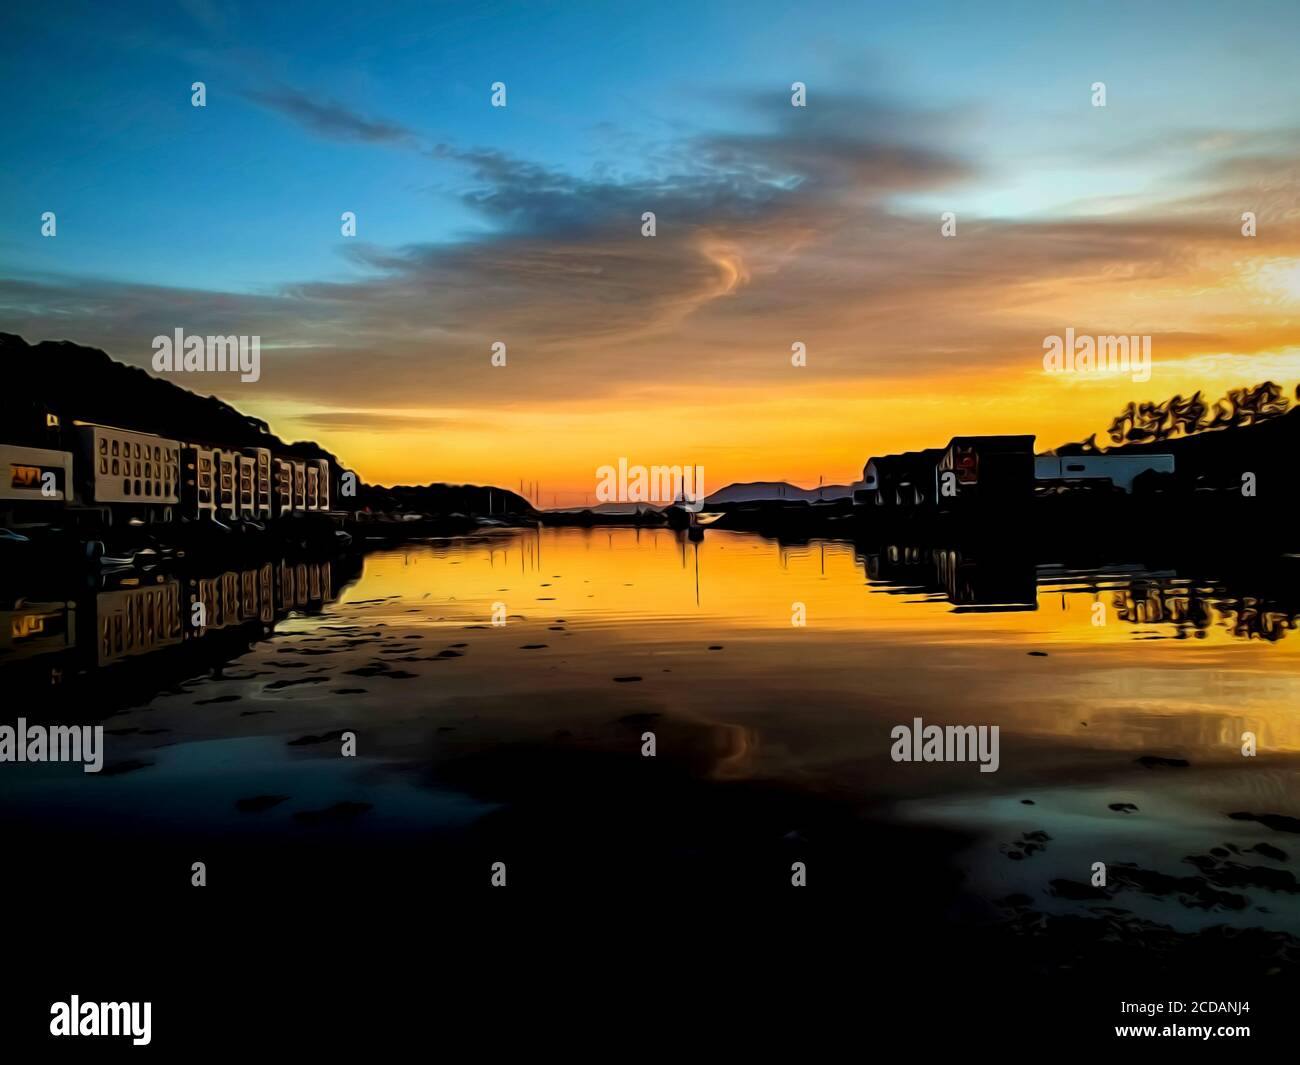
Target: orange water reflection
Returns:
[[1134, 659]]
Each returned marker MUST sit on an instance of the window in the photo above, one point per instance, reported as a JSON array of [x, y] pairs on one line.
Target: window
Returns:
[[126, 488], [115, 470], [114, 447], [103, 466], [103, 446]]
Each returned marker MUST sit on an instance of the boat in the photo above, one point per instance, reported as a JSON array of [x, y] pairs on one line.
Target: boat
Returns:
[[679, 516]]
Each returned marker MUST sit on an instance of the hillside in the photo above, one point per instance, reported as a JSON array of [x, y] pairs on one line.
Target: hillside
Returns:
[[84, 384], [1217, 458], [80, 383]]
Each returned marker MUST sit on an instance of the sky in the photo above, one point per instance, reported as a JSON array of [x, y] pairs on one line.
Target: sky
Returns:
[[775, 225]]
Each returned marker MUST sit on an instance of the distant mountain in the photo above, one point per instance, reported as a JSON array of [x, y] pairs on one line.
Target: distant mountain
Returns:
[[762, 491], [609, 508]]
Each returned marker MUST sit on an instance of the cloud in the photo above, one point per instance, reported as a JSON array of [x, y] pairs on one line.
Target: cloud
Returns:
[[795, 229], [361, 420], [329, 119]]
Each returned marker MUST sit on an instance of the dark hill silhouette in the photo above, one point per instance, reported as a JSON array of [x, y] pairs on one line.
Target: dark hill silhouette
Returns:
[[437, 499], [77, 382], [86, 384], [1247, 430], [1217, 458]]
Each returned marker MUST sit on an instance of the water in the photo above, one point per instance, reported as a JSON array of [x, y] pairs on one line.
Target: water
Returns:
[[523, 741]]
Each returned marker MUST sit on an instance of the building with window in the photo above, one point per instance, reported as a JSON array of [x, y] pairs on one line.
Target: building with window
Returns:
[[127, 467]]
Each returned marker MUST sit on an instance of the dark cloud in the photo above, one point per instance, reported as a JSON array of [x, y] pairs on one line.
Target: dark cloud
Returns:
[[330, 119], [711, 179], [365, 420]]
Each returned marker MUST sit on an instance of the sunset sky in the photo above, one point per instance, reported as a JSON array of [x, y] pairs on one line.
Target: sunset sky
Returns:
[[775, 224]]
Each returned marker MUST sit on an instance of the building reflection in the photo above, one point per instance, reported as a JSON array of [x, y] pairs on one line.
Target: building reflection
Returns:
[[1193, 609], [985, 581], [137, 621], [34, 629], [196, 609], [1248, 605]]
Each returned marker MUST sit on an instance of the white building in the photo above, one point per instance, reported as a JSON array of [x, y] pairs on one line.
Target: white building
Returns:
[[262, 488], [323, 485], [25, 474], [1119, 470], [127, 467], [199, 472], [227, 484]]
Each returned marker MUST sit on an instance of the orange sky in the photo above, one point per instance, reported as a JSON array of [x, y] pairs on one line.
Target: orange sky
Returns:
[[1229, 321]]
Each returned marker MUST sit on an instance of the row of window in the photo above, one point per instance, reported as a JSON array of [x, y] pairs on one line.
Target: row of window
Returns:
[[151, 488], [107, 466], [153, 470], [148, 470], [132, 449]]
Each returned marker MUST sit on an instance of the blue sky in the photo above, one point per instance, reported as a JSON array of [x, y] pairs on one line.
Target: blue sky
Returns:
[[99, 124]]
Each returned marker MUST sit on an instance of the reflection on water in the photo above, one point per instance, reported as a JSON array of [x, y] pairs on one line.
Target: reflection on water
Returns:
[[137, 621], [1195, 611], [528, 733], [1194, 604], [121, 615]]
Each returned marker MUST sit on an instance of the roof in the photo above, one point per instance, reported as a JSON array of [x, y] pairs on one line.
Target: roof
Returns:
[[994, 444]]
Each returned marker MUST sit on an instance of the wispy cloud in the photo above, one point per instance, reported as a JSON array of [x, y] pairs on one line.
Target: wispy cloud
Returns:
[[364, 420], [330, 119]]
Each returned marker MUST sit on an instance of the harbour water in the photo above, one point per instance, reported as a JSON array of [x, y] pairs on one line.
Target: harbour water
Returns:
[[502, 688]]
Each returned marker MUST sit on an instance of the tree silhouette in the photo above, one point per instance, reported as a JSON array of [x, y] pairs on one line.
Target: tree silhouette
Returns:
[[1245, 406], [1152, 422]]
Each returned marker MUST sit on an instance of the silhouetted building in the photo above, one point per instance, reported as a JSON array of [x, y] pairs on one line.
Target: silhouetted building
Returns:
[[1120, 471]]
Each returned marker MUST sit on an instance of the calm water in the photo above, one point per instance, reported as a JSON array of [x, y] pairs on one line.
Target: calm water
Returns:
[[773, 738]]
